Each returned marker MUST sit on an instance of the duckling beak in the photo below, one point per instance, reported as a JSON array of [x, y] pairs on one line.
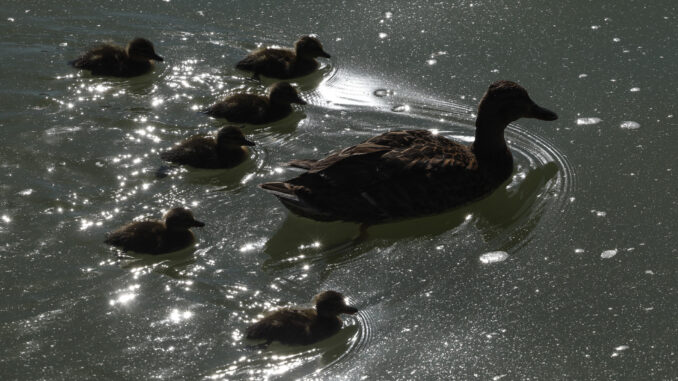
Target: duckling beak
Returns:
[[350, 310], [299, 101], [198, 224], [541, 113], [325, 54], [246, 142], [157, 58]]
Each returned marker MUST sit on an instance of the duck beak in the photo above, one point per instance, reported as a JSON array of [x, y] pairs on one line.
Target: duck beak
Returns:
[[246, 142], [350, 310], [325, 54], [157, 58], [299, 101], [198, 224], [541, 113]]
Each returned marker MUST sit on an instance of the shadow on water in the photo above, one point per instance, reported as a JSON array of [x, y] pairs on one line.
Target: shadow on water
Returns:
[[335, 242]]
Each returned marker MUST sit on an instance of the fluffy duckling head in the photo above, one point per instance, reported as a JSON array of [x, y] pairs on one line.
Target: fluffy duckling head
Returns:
[[507, 101], [232, 137], [309, 47], [284, 93], [141, 48], [180, 218], [332, 303]]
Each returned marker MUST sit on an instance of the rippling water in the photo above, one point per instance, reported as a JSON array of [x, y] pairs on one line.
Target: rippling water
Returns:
[[567, 272]]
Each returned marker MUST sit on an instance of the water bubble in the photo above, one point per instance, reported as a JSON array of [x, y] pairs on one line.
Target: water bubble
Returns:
[[607, 254], [383, 93], [588, 121], [634, 89], [493, 257], [383, 35], [630, 125]]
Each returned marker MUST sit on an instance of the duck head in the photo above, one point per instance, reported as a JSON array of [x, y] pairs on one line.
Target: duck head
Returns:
[[309, 47], [284, 93], [180, 218], [331, 304], [232, 137], [141, 48], [505, 102]]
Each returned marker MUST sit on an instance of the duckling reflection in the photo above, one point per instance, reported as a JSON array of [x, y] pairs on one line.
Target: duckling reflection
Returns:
[[227, 150], [111, 60], [157, 237], [256, 109], [285, 63], [303, 326], [405, 174]]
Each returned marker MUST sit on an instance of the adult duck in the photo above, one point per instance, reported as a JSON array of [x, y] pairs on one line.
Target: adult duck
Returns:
[[157, 237], [411, 173], [257, 109], [285, 63], [293, 326], [227, 150], [116, 61]]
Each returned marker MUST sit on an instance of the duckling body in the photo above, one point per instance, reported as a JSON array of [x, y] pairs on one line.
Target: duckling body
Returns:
[[285, 63], [402, 174], [156, 237], [204, 151], [116, 61], [294, 326], [256, 109]]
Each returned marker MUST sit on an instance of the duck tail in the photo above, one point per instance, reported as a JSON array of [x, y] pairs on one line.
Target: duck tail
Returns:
[[303, 164], [281, 190]]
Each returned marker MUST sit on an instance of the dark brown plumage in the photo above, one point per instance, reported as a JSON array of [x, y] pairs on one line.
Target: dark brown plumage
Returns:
[[205, 151], [410, 173], [303, 326], [285, 63], [256, 109], [111, 60], [157, 237]]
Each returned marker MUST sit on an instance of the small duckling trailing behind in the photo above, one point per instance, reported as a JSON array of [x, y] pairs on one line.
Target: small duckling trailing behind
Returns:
[[157, 237], [285, 63], [257, 109], [111, 60], [204, 151], [303, 326]]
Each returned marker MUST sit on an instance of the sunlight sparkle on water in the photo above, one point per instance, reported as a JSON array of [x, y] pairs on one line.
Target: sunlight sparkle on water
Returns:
[[608, 254], [493, 257], [630, 125], [588, 121]]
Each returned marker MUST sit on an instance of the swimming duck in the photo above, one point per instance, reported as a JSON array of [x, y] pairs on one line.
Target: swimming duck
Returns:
[[303, 326], [157, 237], [410, 173], [204, 151], [285, 63], [111, 60], [256, 109]]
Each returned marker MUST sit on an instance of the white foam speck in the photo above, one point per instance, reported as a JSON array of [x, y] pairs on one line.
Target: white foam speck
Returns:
[[630, 125], [588, 121], [493, 257], [608, 254], [634, 89]]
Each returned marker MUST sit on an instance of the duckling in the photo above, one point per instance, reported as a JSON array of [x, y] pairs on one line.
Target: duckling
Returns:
[[285, 63], [204, 151], [403, 174], [111, 60], [303, 326], [157, 237], [256, 109]]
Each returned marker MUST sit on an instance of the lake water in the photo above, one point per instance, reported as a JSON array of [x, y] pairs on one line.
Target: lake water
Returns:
[[570, 271]]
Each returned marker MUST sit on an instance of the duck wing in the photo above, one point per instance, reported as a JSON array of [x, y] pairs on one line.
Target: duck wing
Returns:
[[270, 62], [289, 326], [103, 60], [142, 236], [394, 175], [241, 108], [197, 151]]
